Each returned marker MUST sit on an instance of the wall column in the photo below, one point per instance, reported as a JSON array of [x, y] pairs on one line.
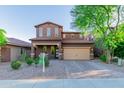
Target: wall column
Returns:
[[32, 51], [60, 51]]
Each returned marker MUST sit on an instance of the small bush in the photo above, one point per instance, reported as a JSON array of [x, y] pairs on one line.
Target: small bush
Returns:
[[16, 65], [23, 57], [103, 58], [46, 61], [36, 61], [29, 60]]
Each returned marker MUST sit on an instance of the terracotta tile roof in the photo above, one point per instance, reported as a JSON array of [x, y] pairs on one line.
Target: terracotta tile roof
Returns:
[[17, 42], [48, 23]]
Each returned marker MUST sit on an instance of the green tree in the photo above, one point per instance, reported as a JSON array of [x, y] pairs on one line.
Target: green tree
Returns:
[[99, 20], [119, 51], [3, 40], [114, 38]]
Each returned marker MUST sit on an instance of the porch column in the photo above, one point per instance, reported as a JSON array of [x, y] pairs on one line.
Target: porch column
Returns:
[[60, 51], [32, 51]]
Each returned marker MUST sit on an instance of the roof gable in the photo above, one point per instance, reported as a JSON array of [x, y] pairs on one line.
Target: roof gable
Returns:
[[48, 23]]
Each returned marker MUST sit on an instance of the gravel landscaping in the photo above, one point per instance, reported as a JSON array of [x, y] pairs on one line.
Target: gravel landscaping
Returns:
[[61, 69]]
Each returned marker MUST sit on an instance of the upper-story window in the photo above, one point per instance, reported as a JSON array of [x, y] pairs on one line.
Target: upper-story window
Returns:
[[40, 32], [48, 32], [56, 31]]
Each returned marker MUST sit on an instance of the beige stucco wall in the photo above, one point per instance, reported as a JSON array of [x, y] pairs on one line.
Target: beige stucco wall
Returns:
[[15, 52]]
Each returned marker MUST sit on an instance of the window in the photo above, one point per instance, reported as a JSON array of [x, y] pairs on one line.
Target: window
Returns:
[[48, 32], [40, 32], [21, 52], [56, 31]]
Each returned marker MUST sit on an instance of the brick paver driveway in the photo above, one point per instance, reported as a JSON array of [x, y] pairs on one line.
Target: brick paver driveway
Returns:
[[63, 70]]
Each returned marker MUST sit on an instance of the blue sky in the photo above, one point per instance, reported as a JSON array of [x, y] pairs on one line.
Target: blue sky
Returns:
[[19, 21]]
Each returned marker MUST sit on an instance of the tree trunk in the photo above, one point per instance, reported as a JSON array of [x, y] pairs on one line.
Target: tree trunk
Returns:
[[108, 57], [112, 54]]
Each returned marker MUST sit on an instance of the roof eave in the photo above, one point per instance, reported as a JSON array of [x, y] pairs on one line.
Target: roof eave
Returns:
[[18, 45]]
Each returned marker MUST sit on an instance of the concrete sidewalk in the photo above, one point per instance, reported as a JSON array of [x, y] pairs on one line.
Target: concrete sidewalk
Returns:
[[63, 83]]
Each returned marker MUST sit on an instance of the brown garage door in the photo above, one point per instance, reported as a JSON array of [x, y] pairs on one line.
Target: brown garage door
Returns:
[[5, 54], [76, 53]]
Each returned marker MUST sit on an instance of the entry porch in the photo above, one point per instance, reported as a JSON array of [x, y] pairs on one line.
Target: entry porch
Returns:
[[52, 48]]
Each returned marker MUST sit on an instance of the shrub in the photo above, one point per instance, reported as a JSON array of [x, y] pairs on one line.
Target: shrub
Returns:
[[29, 60], [23, 56], [36, 60], [46, 61], [119, 51], [16, 65], [103, 58]]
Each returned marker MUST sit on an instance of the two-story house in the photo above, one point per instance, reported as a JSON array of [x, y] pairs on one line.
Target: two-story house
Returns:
[[51, 38]]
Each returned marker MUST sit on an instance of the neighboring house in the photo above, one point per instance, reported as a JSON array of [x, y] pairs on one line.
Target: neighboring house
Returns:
[[14, 49], [51, 38]]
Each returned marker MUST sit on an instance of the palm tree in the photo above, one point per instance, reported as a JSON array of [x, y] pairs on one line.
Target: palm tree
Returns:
[[3, 40]]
